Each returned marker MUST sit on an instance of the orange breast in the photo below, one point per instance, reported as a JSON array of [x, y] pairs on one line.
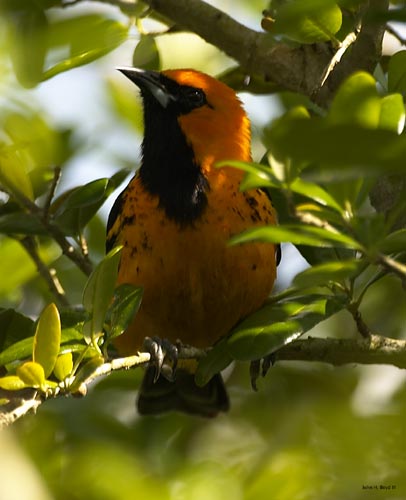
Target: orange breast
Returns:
[[196, 287]]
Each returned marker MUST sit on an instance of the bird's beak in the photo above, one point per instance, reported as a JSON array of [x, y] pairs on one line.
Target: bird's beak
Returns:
[[149, 81]]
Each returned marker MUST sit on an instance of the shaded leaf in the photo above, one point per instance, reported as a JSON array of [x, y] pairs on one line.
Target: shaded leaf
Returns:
[[216, 360], [146, 54], [21, 223], [14, 326], [126, 302], [47, 339], [397, 72], [99, 290], [394, 242]]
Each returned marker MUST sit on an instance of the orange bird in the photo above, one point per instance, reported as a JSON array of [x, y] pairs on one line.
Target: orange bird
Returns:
[[174, 220]]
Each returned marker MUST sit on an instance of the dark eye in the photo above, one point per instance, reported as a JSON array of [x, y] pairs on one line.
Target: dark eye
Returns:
[[195, 97]]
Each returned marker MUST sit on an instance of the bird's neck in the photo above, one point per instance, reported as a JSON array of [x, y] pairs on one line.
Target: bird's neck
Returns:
[[170, 171]]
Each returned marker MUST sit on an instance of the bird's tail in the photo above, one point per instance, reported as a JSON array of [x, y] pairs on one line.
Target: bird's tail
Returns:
[[181, 395]]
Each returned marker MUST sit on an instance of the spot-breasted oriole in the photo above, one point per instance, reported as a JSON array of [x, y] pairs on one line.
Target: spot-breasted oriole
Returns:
[[174, 220]]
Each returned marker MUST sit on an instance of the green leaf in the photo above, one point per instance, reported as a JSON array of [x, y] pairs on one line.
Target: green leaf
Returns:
[[392, 115], [326, 273], [22, 265], [21, 223], [126, 302], [356, 102], [146, 54], [265, 176], [12, 383], [13, 173], [63, 366], [14, 327], [99, 291], [86, 371], [47, 339], [18, 351], [27, 35], [397, 72], [339, 152], [316, 193], [297, 235], [394, 242], [32, 374], [75, 208], [216, 360], [87, 38], [308, 22], [276, 325]]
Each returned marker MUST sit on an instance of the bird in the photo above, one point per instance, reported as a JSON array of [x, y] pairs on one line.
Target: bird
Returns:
[[174, 221]]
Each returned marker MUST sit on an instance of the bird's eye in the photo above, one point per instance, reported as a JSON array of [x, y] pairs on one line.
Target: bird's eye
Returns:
[[195, 97]]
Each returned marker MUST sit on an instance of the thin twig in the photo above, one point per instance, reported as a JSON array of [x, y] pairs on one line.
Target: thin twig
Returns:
[[80, 260], [49, 275], [51, 192]]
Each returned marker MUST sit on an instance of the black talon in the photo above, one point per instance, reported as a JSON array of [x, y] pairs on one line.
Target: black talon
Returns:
[[267, 362], [254, 373], [160, 350]]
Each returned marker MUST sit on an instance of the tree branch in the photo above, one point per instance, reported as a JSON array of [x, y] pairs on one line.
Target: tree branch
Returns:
[[375, 349], [372, 350]]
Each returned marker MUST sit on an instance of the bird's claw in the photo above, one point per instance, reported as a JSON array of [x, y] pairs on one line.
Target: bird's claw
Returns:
[[260, 367], [162, 350]]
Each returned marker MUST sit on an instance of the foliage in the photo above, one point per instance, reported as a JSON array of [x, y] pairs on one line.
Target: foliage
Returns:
[[322, 167]]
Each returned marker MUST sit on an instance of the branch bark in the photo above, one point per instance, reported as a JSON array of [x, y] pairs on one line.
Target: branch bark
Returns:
[[372, 350]]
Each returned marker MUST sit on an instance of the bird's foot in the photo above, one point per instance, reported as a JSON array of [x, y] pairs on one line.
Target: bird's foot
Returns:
[[260, 367], [164, 356]]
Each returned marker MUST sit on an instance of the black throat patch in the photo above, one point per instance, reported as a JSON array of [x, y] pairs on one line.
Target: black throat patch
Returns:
[[169, 169]]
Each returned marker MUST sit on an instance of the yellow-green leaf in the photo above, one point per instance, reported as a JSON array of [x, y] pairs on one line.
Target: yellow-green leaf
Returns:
[[12, 383], [32, 374], [47, 339], [63, 366]]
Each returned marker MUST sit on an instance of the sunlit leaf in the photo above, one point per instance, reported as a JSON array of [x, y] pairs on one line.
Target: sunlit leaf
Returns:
[[307, 22], [356, 102], [87, 37], [326, 273], [47, 339], [315, 192], [278, 324], [296, 234], [32, 374], [12, 383], [63, 366], [13, 173], [392, 115]]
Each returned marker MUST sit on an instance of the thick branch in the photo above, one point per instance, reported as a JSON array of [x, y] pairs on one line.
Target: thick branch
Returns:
[[372, 350]]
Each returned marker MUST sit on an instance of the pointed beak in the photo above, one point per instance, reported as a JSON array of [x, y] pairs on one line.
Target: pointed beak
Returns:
[[150, 82]]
